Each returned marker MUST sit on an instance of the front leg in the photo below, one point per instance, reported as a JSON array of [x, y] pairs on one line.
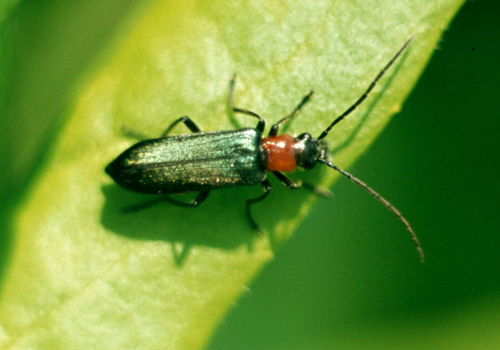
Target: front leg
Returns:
[[300, 184]]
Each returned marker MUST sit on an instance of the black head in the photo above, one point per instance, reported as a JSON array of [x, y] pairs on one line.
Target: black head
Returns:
[[308, 150]]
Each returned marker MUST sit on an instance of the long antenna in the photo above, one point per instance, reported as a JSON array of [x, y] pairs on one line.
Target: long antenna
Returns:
[[370, 88], [381, 200]]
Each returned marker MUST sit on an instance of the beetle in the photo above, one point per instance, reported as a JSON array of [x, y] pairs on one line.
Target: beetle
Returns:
[[205, 161]]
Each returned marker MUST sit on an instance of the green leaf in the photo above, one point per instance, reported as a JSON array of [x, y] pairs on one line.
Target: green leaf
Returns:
[[85, 275]]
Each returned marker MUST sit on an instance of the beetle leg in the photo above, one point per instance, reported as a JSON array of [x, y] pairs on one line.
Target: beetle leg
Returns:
[[194, 203], [323, 192], [187, 121], [300, 184], [200, 198], [266, 186], [261, 124], [275, 128], [285, 180]]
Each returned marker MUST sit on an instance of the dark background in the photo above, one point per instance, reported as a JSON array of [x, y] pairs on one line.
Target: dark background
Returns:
[[350, 278]]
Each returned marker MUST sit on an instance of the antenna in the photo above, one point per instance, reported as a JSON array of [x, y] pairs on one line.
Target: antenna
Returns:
[[381, 200], [370, 88]]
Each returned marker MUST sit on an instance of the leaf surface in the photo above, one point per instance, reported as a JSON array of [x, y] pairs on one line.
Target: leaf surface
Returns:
[[86, 275]]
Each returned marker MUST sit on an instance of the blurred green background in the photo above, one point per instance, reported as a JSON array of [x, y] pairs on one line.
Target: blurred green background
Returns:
[[350, 277], [339, 282]]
